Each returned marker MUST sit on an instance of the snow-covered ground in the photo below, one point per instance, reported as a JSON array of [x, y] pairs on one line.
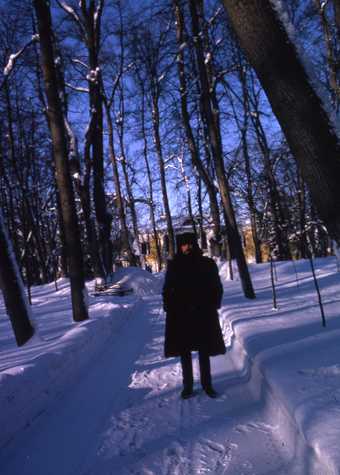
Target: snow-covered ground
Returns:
[[98, 398]]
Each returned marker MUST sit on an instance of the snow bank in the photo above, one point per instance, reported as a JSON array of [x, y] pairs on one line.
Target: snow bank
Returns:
[[224, 269], [304, 377], [26, 390], [290, 360], [47, 367], [142, 282]]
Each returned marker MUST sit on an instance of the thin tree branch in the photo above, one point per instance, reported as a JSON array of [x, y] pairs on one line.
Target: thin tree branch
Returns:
[[13, 58]]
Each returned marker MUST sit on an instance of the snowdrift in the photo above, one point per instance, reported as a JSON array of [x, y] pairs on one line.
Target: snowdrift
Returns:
[[143, 283], [35, 374], [289, 359]]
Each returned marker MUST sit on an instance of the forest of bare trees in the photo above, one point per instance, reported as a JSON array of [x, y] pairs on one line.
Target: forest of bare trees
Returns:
[[120, 120]]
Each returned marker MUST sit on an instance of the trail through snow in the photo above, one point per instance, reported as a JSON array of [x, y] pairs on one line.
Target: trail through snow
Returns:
[[123, 416]]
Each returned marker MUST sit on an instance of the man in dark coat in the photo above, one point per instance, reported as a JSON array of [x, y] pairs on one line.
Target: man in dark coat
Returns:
[[192, 294]]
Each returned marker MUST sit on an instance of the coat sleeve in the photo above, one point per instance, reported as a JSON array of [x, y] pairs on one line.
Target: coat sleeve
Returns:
[[216, 285], [168, 287]]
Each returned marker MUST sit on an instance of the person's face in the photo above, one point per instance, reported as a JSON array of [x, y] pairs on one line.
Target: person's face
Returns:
[[186, 248]]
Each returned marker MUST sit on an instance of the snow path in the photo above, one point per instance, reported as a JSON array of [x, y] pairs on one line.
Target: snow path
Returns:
[[124, 416]]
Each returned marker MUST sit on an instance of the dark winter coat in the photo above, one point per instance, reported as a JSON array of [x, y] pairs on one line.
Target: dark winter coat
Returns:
[[192, 294]]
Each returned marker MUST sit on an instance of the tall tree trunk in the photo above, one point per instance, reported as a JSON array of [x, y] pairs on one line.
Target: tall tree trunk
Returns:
[[158, 144], [250, 197], [150, 183], [59, 141], [294, 101], [197, 163], [302, 215], [186, 181], [276, 205], [89, 24], [212, 122], [116, 179], [63, 264], [126, 178], [82, 186], [82, 183], [13, 290], [202, 234], [96, 256], [93, 21], [119, 82], [243, 128]]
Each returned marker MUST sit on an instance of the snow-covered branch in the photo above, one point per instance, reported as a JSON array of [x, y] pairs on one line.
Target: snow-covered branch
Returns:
[[323, 5], [13, 58], [69, 10], [77, 61], [73, 14], [98, 13], [215, 15], [72, 138], [76, 88]]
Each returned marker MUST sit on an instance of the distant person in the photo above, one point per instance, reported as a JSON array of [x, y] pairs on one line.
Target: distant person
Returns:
[[192, 294]]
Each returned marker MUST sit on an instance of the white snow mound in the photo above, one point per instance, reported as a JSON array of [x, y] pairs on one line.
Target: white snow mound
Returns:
[[141, 281]]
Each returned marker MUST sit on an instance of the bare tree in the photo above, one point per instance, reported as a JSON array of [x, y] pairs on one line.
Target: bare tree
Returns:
[[60, 149], [87, 19], [243, 126], [116, 178], [275, 200], [192, 146], [210, 115], [148, 53], [81, 181], [294, 102], [151, 193], [121, 130]]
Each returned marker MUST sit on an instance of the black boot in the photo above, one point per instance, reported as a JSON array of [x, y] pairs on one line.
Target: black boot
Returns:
[[210, 391], [187, 393], [206, 374], [188, 378]]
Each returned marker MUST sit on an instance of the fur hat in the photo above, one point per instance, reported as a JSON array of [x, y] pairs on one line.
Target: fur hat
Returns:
[[186, 238]]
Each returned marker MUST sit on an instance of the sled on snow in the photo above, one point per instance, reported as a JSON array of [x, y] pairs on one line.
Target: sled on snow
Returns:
[[111, 289]]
